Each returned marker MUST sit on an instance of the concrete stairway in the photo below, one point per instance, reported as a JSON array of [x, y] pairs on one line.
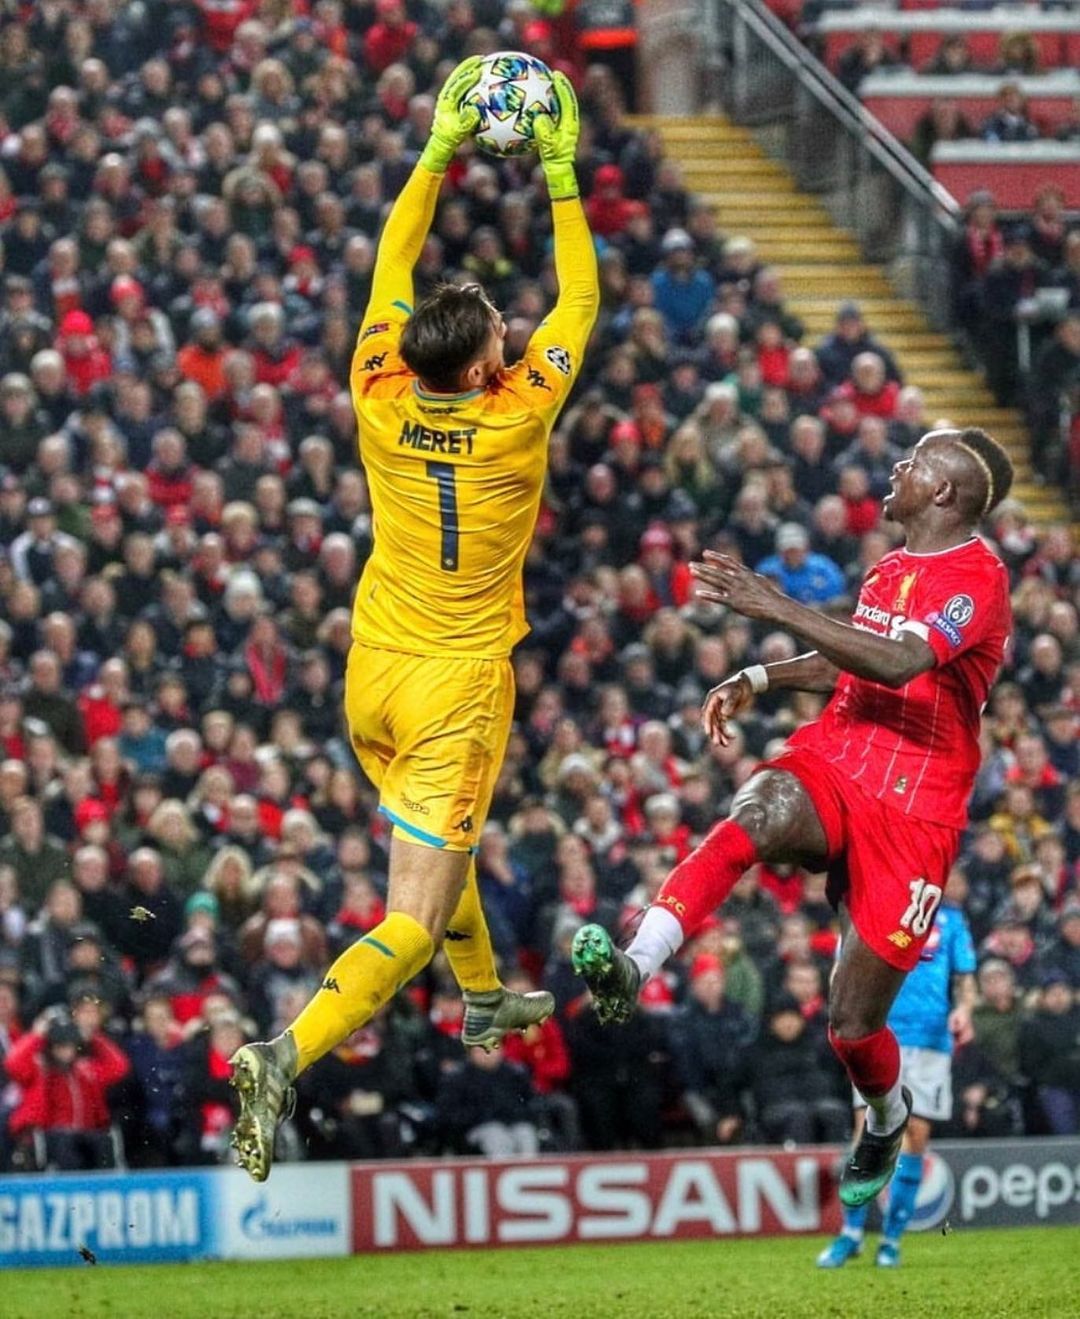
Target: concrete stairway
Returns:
[[821, 266]]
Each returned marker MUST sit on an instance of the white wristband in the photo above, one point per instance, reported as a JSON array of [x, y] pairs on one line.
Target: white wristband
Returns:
[[758, 678]]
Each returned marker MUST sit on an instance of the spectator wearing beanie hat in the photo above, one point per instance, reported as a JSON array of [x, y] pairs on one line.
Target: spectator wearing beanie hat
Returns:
[[85, 361]]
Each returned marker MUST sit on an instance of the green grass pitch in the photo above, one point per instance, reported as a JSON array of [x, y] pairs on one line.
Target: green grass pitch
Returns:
[[977, 1275]]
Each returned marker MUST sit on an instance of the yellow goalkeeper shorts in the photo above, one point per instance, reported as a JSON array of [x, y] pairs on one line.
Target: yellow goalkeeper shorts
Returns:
[[430, 734]]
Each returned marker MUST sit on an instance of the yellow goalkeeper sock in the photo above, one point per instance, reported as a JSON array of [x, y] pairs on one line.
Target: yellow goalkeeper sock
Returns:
[[468, 943], [360, 982]]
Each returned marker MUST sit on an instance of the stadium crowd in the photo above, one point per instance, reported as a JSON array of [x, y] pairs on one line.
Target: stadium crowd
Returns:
[[1024, 274], [190, 194]]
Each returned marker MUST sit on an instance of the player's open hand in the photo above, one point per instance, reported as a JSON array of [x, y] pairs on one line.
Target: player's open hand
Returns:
[[723, 704], [556, 143], [960, 1026], [452, 122], [723, 580]]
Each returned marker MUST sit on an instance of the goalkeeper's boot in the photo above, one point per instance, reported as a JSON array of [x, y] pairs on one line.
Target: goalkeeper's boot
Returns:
[[613, 978], [837, 1253], [888, 1255], [262, 1076], [872, 1162], [492, 1014]]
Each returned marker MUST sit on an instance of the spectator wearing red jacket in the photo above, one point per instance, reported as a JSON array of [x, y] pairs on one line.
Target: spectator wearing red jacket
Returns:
[[101, 704], [275, 356], [389, 37], [868, 388], [85, 361], [608, 210], [221, 18], [540, 1049], [669, 580], [169, 475], [65, 1082]]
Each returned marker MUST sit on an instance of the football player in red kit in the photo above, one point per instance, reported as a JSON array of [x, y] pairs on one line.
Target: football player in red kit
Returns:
[[875, 791]]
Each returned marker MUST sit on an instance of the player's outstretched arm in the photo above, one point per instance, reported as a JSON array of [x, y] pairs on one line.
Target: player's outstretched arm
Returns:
[[727, 700], [411, 215], [575, 252], [891, 661]]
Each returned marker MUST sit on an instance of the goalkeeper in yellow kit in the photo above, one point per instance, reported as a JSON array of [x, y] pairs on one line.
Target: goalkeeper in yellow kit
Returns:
[[454, 444]]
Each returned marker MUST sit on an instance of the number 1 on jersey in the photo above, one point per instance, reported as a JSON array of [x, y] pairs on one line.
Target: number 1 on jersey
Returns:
[[444, 477]]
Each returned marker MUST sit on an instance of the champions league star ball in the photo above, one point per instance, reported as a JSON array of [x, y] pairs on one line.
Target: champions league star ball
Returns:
[[513, 88]]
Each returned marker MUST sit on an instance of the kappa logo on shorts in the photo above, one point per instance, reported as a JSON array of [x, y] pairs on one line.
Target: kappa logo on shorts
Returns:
[[559, 359], [466, 825]]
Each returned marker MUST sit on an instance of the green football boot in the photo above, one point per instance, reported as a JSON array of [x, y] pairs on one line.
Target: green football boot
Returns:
[[613, 978], [262, 1076], [491, 1015]]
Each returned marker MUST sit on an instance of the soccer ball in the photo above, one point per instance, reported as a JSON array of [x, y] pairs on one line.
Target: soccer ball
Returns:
[[513, 88]]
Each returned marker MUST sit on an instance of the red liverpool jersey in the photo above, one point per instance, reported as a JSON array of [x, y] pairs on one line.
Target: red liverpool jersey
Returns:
[[917, 747]]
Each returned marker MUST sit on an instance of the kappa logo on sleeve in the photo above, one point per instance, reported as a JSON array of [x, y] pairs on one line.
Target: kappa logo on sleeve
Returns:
[[559, 359]]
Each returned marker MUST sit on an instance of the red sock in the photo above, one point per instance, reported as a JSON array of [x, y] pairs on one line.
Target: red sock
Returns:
[[872, 1062], [698, 885]]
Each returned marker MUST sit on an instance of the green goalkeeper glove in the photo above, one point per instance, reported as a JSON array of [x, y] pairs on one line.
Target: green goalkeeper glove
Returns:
[[452, 122], [557, 143]]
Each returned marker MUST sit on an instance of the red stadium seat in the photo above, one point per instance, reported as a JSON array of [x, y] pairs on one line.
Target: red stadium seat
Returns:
[[1057, 35], [898, 99], [1013, 173]]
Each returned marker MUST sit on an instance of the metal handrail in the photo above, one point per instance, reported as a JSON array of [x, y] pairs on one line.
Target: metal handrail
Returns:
[[874, 186]]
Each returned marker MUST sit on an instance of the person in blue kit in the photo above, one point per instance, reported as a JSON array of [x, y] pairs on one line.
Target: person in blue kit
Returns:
[[683, 293], [931, 1014], [812, 579]]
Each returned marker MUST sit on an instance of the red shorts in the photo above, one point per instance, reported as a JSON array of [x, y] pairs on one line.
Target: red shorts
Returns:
[[889, 869]]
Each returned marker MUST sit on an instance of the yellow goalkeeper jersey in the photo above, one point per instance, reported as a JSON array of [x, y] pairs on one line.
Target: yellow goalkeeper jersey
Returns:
[[456, 479]]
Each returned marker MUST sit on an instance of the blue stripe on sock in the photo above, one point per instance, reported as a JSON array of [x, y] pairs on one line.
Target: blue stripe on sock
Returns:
[[432, 840]]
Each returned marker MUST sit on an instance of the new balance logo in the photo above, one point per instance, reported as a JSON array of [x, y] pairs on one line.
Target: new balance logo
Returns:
[[331, 984], [901, 938]]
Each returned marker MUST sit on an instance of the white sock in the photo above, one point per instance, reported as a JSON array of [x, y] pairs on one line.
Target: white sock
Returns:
[[885, 1113], [658, 937], [855, 1233]]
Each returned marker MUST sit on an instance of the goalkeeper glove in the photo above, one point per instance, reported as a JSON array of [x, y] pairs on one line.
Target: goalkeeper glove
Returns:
[[452, 122], [557, 143]]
